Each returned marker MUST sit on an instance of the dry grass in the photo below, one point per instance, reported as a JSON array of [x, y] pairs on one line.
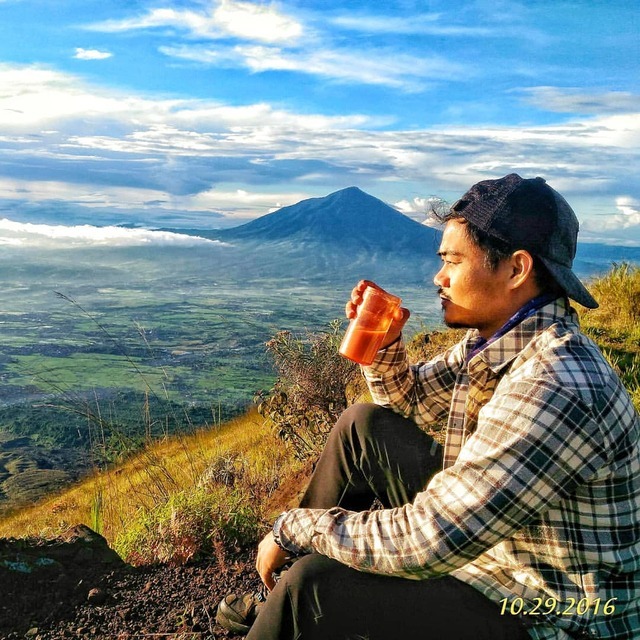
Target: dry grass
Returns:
[[618, 293], [115, 501], [615, 325]]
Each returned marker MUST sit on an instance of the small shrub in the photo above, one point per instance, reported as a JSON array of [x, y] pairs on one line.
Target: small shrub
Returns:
[[315, 385], [191, 524], [618, 293], [227, 469]]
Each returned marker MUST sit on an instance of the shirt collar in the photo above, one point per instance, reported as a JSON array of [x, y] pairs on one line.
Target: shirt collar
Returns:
[[515, 331]]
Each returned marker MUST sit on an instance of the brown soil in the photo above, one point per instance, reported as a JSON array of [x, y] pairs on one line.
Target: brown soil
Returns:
[[82, 591], [75, 586]]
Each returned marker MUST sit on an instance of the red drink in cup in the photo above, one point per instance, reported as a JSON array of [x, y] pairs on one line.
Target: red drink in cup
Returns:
[[366, 332]]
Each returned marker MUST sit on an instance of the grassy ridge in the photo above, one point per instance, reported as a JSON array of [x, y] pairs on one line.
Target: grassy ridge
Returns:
[[150, 507], [615, 325], [209, 491]]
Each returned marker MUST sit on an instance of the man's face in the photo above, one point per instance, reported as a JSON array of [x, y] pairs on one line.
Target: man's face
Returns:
[[472, 295]]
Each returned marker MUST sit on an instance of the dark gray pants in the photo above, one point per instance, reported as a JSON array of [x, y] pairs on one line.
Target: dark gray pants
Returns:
[[375, 453]]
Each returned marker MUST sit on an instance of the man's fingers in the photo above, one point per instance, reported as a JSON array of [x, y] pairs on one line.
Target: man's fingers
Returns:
[[268, 580], [401, 316], [395, 330], [270, 558], [351, 309], [400, 319]]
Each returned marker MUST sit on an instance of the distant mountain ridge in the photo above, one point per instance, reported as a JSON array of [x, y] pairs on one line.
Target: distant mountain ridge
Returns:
[[349, 218], [343, 237]]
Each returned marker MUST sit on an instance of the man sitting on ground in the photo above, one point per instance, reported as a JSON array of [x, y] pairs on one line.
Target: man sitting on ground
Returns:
[[526, 524]]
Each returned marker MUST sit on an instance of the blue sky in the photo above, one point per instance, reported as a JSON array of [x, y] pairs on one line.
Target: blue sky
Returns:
[[210, 113]]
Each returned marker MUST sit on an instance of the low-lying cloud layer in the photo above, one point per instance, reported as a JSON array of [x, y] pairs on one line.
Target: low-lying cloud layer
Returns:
[[18, 234]]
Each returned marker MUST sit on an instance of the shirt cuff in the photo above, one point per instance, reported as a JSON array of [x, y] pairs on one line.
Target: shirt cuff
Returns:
[[282, 540], [387, 358]]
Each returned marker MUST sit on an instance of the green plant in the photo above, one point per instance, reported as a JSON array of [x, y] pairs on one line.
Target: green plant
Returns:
[[314, 386], [191, 523], [97, 512]]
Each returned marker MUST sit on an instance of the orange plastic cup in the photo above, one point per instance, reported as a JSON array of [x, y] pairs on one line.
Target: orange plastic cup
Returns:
[[366, 332]]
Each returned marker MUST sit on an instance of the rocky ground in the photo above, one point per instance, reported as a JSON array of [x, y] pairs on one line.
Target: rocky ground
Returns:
[[76, 587]]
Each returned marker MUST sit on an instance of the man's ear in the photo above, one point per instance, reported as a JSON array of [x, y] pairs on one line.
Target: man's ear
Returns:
[[521, 264]]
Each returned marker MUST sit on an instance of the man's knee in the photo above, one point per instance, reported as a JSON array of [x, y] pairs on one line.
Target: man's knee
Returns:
[[310, 585], [309, 570], [368, 422], [360, 418]]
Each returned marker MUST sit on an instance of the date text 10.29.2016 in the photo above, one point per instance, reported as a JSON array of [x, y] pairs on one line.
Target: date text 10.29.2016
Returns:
[[549, 606]]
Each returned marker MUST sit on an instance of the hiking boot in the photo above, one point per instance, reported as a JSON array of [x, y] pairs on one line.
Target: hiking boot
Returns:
[[238, 612]]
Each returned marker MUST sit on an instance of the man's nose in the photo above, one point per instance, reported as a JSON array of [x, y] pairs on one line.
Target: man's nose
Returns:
[[440, 278]]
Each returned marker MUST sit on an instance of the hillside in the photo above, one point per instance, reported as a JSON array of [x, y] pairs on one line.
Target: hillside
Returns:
[[188, 510], [203, 499]]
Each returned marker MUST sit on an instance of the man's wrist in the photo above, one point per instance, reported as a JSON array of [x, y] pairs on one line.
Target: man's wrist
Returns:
[[391, 342], [276, 530], [281, 539]]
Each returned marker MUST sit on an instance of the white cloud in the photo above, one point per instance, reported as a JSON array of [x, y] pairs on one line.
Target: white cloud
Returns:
[[572, 100], [629, 211], [242, 204], [238, 204], [41, 235], [256, 22], [32, 96], [627, 218], [86, 195], [226, 18], [260, 38], [424, 210], [91, 54], [387, 68], [424, 24], [64, 139], [382, 67], [484, 20]]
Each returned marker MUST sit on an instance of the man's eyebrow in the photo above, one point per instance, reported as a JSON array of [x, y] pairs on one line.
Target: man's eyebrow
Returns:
[[449, 252]]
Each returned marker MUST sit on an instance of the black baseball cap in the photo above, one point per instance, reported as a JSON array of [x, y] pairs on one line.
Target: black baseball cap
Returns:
[[528, 214]]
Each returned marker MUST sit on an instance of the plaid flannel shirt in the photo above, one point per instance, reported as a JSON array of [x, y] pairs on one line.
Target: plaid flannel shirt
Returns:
[[539, 498]]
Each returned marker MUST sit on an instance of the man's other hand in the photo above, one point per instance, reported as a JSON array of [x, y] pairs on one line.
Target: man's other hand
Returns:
[[270, 558]]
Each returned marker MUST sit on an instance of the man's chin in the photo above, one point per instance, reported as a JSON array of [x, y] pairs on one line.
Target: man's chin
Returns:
[[452, 324]]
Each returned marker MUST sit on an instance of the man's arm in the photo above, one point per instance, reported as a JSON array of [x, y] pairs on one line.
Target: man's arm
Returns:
[[538, 445], [421, 392]]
